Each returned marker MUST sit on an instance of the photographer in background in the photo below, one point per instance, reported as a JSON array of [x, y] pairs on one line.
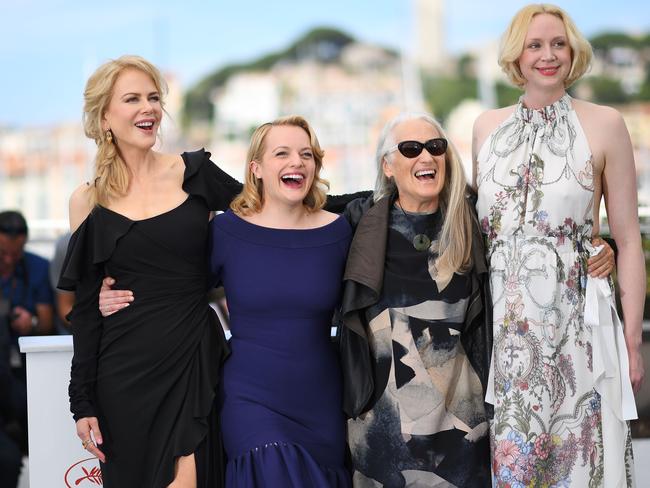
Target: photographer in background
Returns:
[[24, 285], [26, 308]]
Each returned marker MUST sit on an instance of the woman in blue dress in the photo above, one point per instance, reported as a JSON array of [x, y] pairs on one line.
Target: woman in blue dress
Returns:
[[280, 258]]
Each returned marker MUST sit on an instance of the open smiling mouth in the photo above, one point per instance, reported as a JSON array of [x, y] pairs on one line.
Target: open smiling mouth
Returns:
[[145, 126], [293, 180], [548, 71], [426, 174]]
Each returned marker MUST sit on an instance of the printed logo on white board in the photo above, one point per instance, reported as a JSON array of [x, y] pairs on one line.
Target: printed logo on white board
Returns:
[[84, 473]]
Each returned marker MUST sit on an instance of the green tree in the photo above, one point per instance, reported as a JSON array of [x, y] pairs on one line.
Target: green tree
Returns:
[[644, 91], [606, 90], [465, 66], [443, 94], [608, 40], [644, 41], [507, 94]]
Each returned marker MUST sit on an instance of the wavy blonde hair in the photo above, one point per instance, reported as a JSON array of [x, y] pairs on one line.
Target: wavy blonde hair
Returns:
[[454, 243], [112, 176], [513, 39], [251, 198]]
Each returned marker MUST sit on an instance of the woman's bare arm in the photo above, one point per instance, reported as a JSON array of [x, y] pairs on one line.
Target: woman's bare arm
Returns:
[[620, 191]]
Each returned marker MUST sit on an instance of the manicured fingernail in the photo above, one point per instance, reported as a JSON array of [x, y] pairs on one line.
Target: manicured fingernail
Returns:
[[124, 305]]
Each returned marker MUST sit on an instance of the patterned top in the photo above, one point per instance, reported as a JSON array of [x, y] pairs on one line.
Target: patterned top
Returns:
[[511, 195], [426, 425]]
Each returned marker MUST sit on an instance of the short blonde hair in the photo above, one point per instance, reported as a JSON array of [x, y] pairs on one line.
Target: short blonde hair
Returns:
[[251, 198], [112, 176], [513, 39]]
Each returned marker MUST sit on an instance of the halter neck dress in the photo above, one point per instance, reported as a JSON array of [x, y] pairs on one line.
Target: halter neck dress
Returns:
[[561, 387]]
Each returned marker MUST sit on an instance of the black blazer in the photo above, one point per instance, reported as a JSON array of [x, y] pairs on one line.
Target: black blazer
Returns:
[[362, 285]]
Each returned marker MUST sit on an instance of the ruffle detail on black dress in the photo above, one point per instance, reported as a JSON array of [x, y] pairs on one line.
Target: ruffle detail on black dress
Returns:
[[201, 434], [206, 180], [88, 247]]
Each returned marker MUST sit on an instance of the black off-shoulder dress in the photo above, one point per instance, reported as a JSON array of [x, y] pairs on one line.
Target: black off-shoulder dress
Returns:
[[150, 373]]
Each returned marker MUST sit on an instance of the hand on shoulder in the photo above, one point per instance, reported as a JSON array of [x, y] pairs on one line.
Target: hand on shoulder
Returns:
[[80, 205]]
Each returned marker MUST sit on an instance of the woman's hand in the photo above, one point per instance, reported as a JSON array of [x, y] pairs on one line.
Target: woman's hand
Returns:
[[602, 264], [111, 301], [91, 437], [637, 371]]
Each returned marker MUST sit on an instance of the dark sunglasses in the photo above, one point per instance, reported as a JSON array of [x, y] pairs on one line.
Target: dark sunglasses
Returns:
[[412, 149]]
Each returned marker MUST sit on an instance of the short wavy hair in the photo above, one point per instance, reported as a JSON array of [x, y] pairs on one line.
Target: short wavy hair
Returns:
[[251, 198], [513, 39]]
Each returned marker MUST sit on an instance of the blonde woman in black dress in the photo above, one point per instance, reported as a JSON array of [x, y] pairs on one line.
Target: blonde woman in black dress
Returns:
[[143, 382]]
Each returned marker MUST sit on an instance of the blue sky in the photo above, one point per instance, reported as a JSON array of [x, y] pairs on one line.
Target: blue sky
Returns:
[[49, 47]]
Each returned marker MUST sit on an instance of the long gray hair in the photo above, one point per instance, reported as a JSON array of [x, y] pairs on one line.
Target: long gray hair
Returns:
[[454, 244]]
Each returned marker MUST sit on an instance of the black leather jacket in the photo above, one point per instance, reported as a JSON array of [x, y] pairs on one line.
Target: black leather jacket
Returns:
[[363, 280]]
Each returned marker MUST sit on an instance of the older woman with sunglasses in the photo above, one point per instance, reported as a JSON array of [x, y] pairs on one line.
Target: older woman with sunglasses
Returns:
[[416, 332]]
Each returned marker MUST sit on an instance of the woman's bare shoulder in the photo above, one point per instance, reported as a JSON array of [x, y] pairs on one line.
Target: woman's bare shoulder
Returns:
[[491, 119], [80, 205], [323, 217], [594, 112], [486, 123], [604, 127], [171, 162]]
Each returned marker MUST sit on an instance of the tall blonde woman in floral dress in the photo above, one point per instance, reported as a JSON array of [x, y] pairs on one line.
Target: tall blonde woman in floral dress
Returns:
[[564, 369]]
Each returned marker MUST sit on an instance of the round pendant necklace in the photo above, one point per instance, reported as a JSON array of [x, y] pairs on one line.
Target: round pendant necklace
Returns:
[[421, 242]]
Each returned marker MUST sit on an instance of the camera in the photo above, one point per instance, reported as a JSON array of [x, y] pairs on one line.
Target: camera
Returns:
[[6, 314], [5, 311], [8, 350], [5, 319]]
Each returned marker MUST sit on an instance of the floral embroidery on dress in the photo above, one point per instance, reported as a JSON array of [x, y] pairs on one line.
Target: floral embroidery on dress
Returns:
[[536, 182]]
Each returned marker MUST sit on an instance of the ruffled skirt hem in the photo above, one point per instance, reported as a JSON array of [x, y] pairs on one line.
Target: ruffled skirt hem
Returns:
[[282, 464]]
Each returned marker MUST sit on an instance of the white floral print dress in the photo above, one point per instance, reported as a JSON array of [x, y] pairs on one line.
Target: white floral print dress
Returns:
[[560, 383]]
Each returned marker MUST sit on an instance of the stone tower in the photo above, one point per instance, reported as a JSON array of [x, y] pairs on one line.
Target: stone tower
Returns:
[[430, 48]]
